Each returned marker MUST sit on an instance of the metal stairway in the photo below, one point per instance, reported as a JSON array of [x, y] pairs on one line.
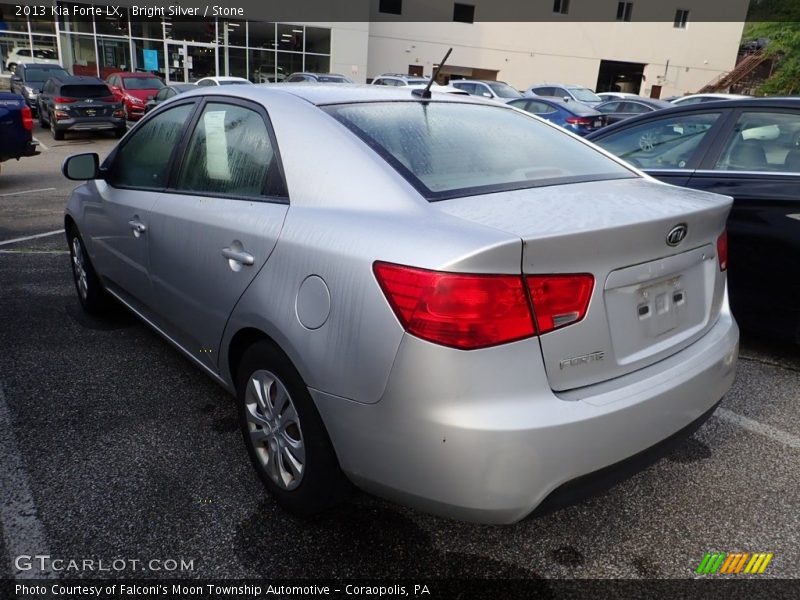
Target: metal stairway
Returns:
[[746, 66]]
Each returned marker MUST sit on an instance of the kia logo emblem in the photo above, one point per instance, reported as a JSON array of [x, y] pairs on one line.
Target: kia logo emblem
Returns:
[[677, 234]]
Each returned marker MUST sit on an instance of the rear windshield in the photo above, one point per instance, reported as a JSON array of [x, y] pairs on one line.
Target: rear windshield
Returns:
[[332, 79], [85, 91], [234, 82], [143, 83], [585, 95], [37, 53], [503, 90], [448, 149], [41, 75]]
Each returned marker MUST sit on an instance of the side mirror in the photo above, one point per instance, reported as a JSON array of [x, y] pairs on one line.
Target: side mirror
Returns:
[[82, 167], [567, 98], [486, 95]]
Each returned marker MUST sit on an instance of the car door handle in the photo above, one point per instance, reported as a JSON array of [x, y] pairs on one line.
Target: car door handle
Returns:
[[137, 226], [239, 256]]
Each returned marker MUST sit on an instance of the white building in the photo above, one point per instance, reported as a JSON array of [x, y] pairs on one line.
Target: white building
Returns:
[[601, 44], [653, 47]]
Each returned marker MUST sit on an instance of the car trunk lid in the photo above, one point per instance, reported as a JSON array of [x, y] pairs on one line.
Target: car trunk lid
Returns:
[[650, 299]]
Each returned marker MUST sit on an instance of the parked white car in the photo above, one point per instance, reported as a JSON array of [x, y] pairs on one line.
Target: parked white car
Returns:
[[37, 55], [205, 81]]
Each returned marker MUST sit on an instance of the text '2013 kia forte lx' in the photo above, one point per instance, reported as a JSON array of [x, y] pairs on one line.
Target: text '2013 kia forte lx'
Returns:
[[446, 301]]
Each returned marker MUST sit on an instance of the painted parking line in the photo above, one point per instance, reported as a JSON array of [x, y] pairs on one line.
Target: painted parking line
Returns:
[[41, 144], [23, 533], [50, 189], [31, 237], [784, 437], [34, 251]]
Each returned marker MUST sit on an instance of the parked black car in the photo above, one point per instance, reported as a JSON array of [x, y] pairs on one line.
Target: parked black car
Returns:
[[748, 149], [619, 110], [27, 81], [16, 126], [80, 104], [166, 93]]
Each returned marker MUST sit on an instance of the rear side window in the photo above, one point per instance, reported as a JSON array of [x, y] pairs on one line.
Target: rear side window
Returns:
[[763, 141], [230, 153], [143, 160], [85, 91], [665, 143], [448, 149]]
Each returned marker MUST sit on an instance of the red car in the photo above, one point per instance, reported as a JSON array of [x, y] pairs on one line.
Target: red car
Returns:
[[134, 90]]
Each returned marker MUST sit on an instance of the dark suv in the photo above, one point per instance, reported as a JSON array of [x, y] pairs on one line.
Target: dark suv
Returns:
[[80, 104], [27, 81]]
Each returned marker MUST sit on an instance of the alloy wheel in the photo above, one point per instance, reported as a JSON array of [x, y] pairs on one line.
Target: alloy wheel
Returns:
[[274, 428]]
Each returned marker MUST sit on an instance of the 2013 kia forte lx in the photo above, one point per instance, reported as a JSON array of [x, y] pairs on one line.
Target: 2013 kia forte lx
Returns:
[[446, 301]]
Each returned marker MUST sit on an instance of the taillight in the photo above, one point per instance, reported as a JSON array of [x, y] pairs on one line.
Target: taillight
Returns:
[[27, 118], [559, 300], [722, 251], [456, 309], [470, 311], [579, 121], [64, 100]]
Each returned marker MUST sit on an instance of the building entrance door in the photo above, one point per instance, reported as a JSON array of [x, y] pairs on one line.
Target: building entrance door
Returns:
[[189, 62]]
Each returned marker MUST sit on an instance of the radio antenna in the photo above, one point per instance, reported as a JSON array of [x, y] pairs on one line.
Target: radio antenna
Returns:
[[426, 93]]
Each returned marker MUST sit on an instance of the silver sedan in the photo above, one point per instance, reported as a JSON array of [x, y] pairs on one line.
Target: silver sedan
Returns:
[[444, 301]]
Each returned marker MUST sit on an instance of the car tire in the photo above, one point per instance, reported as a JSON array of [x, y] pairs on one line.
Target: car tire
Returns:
[[57, 133], [42, 122], [93, 298], [284, 434]]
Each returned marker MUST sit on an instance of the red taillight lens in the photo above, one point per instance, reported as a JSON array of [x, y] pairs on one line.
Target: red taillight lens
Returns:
[[27, 118], [456, 309], [579, 121], [722, 251], [559, 300], [64, 100]]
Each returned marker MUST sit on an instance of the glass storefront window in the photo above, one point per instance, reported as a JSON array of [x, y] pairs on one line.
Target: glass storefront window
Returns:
[[192, 30], [13, 23], [73, 24], [77, 54], [262, 35], [114, 55], [262, 66], [289, 62], [318, 63], [237, 62], [147, 28], [155, 51], [290, 37], [106, 25], [318, 41], [234, 31]]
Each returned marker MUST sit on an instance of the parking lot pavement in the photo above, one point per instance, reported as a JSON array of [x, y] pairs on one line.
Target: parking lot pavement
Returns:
[[33, 191], [123, 449]]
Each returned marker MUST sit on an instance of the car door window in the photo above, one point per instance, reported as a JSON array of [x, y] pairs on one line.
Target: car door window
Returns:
[[763, 141], [230, 153], [634, 108], [666, 143], [610, 107], [544, 91], [143, 160], [540, 108]]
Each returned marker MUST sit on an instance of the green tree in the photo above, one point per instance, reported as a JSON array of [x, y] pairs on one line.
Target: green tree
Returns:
[[778, 21]]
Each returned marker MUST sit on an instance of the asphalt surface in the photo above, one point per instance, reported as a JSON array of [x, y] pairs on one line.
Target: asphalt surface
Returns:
[[122, 449]]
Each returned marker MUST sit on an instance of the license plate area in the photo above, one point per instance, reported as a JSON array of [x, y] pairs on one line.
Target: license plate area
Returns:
[[657, 305], [662, 306]]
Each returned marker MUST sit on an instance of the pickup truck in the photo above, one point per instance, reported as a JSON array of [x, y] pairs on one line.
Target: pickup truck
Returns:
[[16, 127]]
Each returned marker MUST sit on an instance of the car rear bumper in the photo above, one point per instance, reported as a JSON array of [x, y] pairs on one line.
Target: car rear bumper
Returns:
[[107, 124], [480, 436]]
